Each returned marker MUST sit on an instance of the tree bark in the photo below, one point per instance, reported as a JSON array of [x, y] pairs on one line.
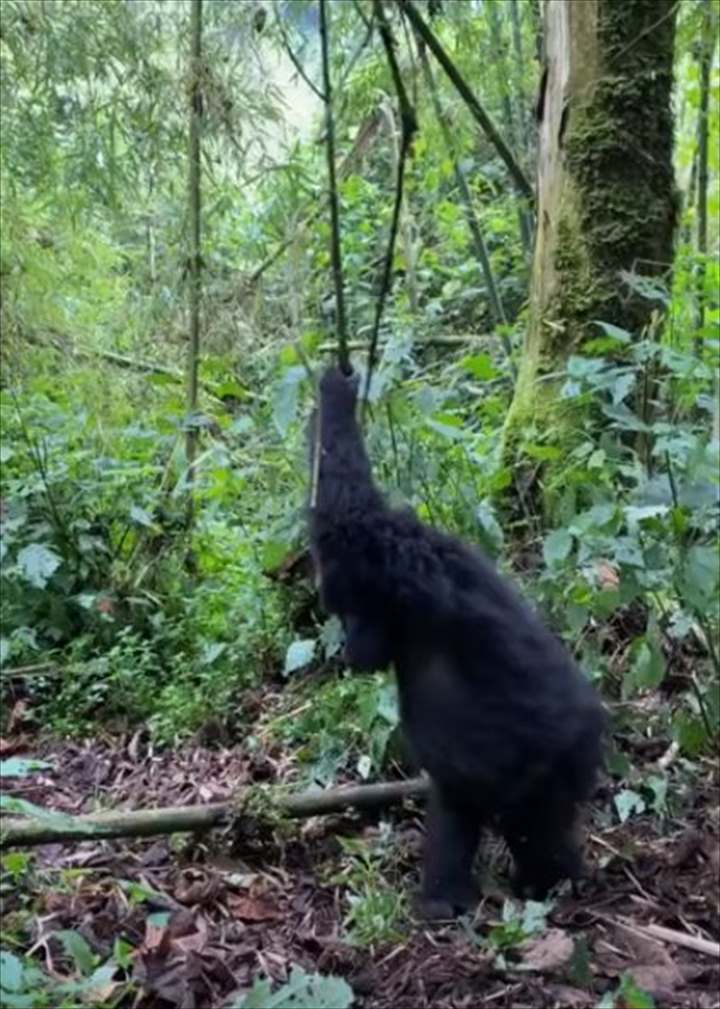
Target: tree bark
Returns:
[[606, 193], [172, 819]]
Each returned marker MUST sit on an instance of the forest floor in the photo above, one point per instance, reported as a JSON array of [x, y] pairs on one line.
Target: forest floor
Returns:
[[255, 911]]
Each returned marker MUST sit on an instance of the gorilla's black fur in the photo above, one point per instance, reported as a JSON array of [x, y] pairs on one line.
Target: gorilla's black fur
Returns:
[[507, 727]]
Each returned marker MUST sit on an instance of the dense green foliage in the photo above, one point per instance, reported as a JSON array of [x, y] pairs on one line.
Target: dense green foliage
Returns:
[[134, 614], [136, 594]]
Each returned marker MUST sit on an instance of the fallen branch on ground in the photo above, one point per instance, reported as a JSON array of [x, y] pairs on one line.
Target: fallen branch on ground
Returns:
[[173, 819]]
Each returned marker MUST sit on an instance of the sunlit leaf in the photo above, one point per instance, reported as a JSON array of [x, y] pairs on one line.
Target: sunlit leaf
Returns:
[[299, 654], [38, 563], [557, 546]]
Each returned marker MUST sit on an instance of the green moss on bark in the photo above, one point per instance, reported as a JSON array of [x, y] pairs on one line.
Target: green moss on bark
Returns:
[[616, 212], [619, 157]]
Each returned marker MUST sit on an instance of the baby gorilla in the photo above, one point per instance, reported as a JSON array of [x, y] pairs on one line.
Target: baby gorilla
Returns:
[[496, 711]]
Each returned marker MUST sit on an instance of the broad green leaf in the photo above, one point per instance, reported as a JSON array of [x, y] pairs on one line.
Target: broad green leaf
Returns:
[[690, 732], [99, 987], [702, 569], [648, 668], [544, 453], [621, 335], [212, 651], [302, 991], [242, 425], [76, 947], [16, 863], [637, 513], [628, 802], [480, 366], [273, 554], [233, 389], [11, 971], [142, 517], [285, 399], [557, 546], [38, 562], [622, 386], [584, 367], [579, 965], [534, 916], [4, 650], [657, 785], [18, 1000], [299, 654], [632, 996], [624, 417]]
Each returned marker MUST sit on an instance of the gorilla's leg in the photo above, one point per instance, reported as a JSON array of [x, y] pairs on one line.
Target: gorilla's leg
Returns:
[[543, 842], [452, 836]]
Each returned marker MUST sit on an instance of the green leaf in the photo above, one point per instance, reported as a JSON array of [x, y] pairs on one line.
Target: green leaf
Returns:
[[16, 863], [37, 563], [11, 971], [637, 513], [302, 991], [211, 651], [142, 517], [614, 332], [480, 366], [16, 1000], [632, 996], [162, 379], [273, 554], [628, 802], [76, 947], [285, 399], [544, 453], [299, 654], [579, 966], [534, 916], [648, 668], [557, 547], [657, 786], [624, 417], [622, 386], [702, 569], [690, 732], [20, 767]]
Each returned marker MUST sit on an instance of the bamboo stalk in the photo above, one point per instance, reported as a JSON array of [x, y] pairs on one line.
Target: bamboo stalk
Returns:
[[17, 831]]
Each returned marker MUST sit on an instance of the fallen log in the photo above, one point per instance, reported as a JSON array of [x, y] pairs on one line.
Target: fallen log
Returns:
[[29, 831]]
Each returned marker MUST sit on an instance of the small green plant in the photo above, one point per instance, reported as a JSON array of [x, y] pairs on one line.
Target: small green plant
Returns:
[[302, 991], [520, 921], [349, 722], [25, 985], [379, 905]]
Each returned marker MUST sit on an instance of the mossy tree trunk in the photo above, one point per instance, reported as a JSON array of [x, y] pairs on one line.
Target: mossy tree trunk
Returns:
[[606, 195]]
